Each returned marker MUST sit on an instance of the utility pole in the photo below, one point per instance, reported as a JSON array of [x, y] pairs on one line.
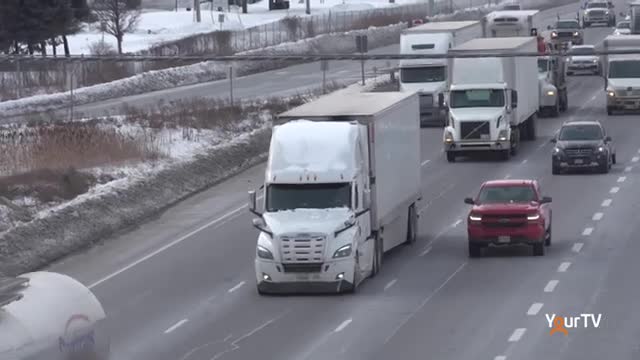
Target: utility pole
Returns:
[[308, 10], [176, 5], [244, 6], [196, 8]]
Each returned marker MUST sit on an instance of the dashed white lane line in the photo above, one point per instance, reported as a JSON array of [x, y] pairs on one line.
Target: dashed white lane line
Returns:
[[507, 176], [635, 159], [564, 266], [236, 287], [622, 179], [534, 309], [177, 325], [587, 231], [501, 357], [390, 284], [458, 222], [343, 325], [517, 334], [524, 161], [614, 190], [577, 247], [627, 169], [551, 285], [597, 216], [542, 145], [425, 162], [606, 203], [426, 251]]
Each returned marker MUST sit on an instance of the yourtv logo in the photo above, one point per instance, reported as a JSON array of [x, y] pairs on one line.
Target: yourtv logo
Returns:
[[562, 324]]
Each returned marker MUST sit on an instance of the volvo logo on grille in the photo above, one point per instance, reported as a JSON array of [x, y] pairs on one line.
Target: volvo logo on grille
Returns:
[[504, 220]]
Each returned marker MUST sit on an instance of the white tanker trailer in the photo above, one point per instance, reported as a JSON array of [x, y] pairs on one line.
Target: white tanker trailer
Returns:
[[49, 316]]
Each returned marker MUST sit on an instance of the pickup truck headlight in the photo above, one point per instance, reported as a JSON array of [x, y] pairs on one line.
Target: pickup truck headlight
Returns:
[[611, 93], [503, 136], [600, 149], [474, 217], [264, 253], [575, 33], [533, 217], [554, 34], [343, 252], [557, 150]]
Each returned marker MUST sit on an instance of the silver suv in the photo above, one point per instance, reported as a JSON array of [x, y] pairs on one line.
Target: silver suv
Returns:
[[598, 12]]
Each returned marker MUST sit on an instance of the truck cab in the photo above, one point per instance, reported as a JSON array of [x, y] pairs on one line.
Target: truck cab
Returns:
[[622, 74]]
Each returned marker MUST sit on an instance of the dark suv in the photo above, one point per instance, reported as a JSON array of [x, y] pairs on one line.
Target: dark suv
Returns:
[[583, 145]]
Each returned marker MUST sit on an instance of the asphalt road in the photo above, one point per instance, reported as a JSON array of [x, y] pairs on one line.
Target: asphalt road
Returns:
[[182, 286]]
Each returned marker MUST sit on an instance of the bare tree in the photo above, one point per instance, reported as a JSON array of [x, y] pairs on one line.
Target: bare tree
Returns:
[[116, 18]]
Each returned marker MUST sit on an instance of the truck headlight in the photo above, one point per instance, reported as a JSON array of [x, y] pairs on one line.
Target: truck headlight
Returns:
[[594, 61], [503, 136], [533, 217], [601, 149], [448, 137], [550, 92], [576, 33], [342, 252], [557, 150], [264, 253], [554, 34], [611, 93], [474, 217]]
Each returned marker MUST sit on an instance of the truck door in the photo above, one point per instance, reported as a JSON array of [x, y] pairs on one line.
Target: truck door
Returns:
[[366, 244]]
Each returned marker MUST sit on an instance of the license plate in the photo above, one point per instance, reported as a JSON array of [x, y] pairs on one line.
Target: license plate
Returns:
[[577, 161], [504, 239]]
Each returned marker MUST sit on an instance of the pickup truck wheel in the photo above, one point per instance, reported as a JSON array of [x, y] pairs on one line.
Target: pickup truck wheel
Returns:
[[451, 156], [547, 240], [538, 249], [412, 226], [555, 170], [475, 250], [604, 168]]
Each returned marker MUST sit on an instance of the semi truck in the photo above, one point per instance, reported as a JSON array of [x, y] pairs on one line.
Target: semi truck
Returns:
[[428, 77], [493, 101], [341, 188], [622, 73], [50, 316]]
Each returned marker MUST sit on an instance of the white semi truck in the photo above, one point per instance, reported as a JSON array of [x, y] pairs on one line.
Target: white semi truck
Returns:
[[622, 73], [492, 100], [50, 316], [428, 77], [341, 187]]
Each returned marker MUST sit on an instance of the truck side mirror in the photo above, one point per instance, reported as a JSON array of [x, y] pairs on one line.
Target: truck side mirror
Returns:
[[545, 200], [607, 139], [553, 141], [469, 201], [366, 199], [252, 201], [514, 99]]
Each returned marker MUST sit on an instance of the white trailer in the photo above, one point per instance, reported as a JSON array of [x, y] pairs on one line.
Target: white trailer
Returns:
[[507, 23], [492, 100], [341, 188], [428, 77], [49, 316], [622, 73]]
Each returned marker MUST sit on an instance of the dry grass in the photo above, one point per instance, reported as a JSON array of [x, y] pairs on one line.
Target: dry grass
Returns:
[[46, 185]]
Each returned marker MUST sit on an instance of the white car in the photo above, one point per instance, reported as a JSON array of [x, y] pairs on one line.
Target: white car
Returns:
[[623, 28], [582, 58]]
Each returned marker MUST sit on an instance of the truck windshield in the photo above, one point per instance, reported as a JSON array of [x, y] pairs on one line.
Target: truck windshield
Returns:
[[281, 197], [422, 74], [543, 65], [506, 194], [582, 51], [477, 98], [567, 25], [624, 69], [597, 6], [580, 133]]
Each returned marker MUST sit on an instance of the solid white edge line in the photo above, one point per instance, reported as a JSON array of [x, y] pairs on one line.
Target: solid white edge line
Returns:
[[236, 287], [597, 216], [175, 326], [564, 266], [534, 309], [343, 325], [524, 161], [500, 357], [390, 284], [587, 231], [606, 203], [551, 285], [517, 334], [614, 190], [425, 162], [577, 247], [507, 176]]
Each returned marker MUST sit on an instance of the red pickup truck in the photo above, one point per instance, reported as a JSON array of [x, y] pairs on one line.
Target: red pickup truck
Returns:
[[507, 212]]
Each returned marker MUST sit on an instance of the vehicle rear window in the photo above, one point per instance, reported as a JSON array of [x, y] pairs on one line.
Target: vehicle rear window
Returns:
[[506, 194]]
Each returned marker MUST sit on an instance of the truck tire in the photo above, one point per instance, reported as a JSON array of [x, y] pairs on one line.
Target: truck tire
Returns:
[[554, 111], [451, 156], [538, 249], [564, 101], [547, 240], [604, 168], [412, 226], [377, 256], [609, 110], [531, 128], [613, 159], [475, 251], [270, 5]]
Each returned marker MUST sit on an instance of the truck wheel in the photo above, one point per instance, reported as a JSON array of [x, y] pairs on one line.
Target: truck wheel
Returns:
[[604, 168], [412, 226], [475, 251], [538, 249], [555, 110], [377, 257], [451, 156], [531, 128], [609, 110], [261, 291], [547, 240], [613, 159], [586, 24]]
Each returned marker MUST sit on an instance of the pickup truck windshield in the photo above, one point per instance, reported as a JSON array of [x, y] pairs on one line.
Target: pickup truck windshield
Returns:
[[506, 194], [580, 133], [597, 6], [624, 69], [307, 196], [422, 74], [477, 98], [581, 51], [569, 24]]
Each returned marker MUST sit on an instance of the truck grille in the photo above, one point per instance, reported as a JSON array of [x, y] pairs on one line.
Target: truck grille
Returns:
[[504, 220], [426, 104], [578, 152], [582, 62], [565, 34], [475, 130], [302, 248], [596, 14], [302, 268]]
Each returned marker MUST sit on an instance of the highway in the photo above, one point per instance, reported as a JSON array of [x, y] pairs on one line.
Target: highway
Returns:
[[182, 286]]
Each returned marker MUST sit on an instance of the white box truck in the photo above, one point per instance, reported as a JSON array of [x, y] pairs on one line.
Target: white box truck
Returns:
[[622, 73], [507, 23], [341, 188], [492, 100], [428, 77]]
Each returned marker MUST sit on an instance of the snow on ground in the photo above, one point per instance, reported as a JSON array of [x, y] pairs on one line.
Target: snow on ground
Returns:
[[158, 26]]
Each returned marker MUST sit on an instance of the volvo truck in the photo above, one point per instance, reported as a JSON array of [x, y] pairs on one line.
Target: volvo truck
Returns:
[[50, 316], [493, 101], [341, 187], [428, 77], [622, 73]]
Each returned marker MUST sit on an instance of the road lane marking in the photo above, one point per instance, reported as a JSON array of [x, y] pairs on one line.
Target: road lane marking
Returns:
[[622, 178], [343, 325], [219, 220], [458, 222], [587, 231], [542, 145], [597, 216], [390, 284], [425, 162], [177, 325], [507, 176], [614, 190], [501, 357], [425, 251], [577, 247], [517, 334], [606, 203], [635, 159], [534, 309], [236, 287], [524, 161], [551, 285], [564, 266], [627, 169]]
